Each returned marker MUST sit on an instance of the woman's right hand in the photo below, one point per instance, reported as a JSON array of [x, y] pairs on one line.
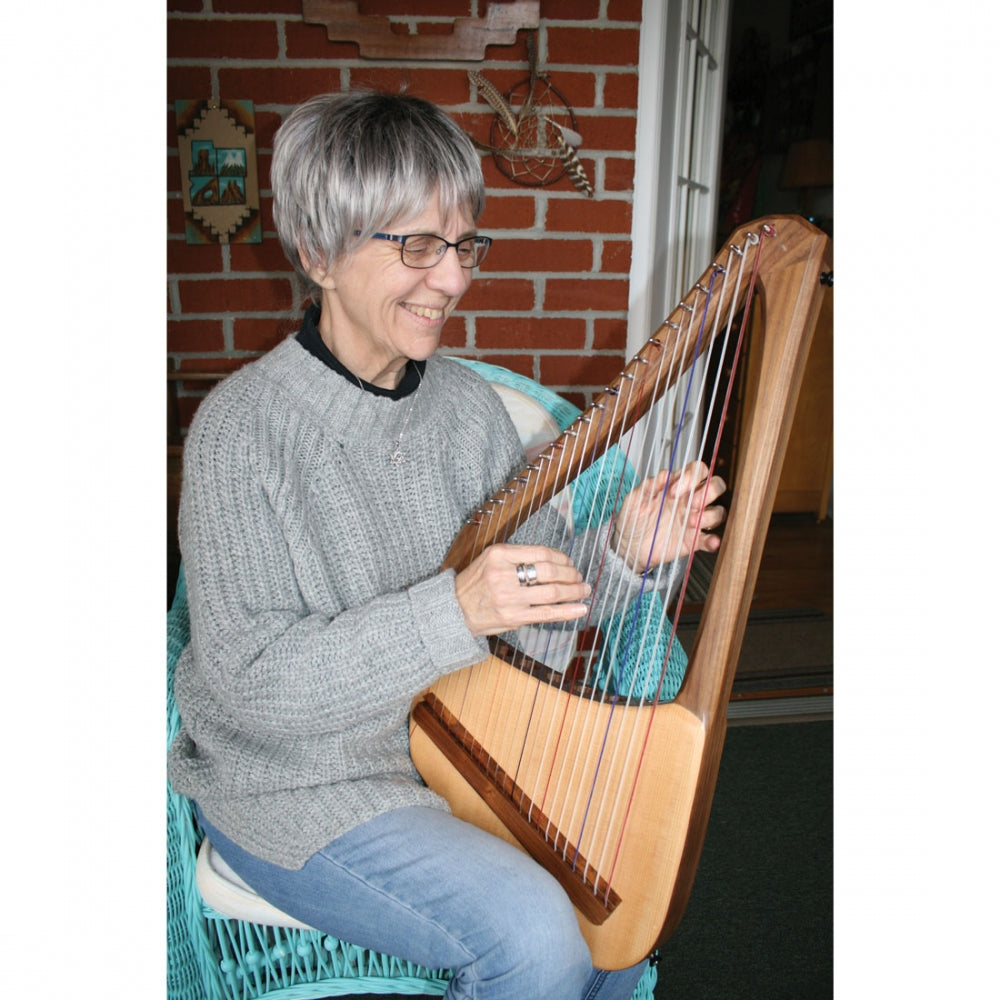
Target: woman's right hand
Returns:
[[494, 600]]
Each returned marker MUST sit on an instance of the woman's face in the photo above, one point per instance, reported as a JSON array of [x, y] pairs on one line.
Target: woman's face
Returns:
[[378, 312]]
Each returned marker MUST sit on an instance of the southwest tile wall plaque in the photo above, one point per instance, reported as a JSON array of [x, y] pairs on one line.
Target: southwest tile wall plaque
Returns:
[[218, 161]]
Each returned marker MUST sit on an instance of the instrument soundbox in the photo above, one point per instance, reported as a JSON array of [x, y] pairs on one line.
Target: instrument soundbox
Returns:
[[607, 785]]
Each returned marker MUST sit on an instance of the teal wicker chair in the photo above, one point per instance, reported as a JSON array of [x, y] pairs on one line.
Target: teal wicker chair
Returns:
[[214, 956]]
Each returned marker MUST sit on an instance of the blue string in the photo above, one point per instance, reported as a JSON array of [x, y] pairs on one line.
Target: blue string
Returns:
[[663, 496], [645, 575]]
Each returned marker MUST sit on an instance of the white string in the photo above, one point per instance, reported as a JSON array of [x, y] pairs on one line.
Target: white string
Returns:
[[565, 793], [628, 747]]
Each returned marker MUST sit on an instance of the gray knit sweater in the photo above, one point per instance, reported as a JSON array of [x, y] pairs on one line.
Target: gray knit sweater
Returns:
[[318, 609]]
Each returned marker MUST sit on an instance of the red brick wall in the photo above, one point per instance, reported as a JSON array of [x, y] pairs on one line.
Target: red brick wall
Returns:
[[552, 298]]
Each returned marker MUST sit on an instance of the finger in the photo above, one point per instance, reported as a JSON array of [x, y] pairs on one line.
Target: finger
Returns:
[[690, 478], [550, 611], [557, 593], [516, 606], [536, 565], [708, 543], [707, 519], [712, 518], [714, 489], [659, 482], [556, 573], [536, 554], [704, 493]]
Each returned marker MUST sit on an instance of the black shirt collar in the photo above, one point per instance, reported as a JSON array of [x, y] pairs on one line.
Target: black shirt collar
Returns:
[[309, 337]]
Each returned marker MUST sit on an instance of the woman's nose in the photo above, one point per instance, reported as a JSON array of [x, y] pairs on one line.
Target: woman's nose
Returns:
[[448, 275]]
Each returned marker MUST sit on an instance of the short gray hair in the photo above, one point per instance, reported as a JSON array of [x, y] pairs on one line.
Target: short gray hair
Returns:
[[356, 161]]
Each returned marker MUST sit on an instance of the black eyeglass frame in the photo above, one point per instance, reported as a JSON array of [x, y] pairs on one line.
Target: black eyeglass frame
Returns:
[[477, 241]]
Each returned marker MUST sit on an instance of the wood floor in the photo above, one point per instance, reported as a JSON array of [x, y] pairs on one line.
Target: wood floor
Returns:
[[796, 569], [786, 668]]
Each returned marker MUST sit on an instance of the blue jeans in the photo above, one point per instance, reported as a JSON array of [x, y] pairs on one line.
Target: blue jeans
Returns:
[[429, 888]]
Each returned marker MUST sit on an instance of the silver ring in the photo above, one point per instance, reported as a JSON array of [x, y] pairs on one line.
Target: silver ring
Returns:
[[527, 575]]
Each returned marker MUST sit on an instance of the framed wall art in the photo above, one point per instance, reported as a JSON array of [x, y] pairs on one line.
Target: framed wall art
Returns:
[[218, 161]]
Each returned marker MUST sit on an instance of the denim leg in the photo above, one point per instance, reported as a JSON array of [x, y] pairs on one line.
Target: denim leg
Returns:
[[427, 887], [618, 985]]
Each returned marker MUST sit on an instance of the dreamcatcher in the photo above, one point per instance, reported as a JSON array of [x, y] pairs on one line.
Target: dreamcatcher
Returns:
[[533, 136]]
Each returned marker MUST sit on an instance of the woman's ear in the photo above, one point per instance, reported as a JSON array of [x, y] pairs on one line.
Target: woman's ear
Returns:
[[320, 274]]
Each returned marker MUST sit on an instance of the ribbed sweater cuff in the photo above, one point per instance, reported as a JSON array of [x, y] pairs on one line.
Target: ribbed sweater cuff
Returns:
[[441, 625]]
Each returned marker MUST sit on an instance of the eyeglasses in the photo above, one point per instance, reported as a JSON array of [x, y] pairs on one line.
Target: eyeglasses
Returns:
[[424, 250]]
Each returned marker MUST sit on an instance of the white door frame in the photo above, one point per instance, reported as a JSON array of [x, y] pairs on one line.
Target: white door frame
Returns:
[[663, 135], [681, 105]]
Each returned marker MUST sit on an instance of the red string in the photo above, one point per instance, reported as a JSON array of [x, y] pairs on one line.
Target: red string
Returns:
[[767, 231]]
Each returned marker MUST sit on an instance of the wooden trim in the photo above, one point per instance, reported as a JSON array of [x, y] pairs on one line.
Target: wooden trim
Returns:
[[467, 41]]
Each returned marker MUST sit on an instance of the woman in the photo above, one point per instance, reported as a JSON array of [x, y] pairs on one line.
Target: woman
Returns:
[[323, 485]]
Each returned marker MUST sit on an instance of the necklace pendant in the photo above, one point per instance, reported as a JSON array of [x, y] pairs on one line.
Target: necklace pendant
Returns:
[[396, 457]]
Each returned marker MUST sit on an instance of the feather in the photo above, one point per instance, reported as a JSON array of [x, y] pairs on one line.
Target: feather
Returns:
[[529, 103], [571, 162], [494, 99]]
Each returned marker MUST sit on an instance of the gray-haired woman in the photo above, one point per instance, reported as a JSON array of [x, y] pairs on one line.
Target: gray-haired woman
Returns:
[[323, 485]]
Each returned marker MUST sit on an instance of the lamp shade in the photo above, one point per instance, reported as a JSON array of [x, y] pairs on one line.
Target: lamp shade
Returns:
[[809, 164]]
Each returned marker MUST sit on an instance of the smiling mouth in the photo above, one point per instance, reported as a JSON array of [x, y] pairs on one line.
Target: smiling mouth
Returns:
[[425, 312]]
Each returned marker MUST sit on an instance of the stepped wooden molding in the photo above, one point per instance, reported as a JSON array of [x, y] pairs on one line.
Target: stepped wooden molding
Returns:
[[466, 42]]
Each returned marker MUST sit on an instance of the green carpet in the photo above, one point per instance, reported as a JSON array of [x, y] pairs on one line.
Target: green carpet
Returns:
[[760, 920]]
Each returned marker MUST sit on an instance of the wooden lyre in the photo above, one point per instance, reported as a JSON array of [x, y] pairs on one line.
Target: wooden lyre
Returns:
[[497, 738]]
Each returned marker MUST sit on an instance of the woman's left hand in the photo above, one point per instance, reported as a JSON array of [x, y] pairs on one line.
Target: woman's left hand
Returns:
[[684, 527]]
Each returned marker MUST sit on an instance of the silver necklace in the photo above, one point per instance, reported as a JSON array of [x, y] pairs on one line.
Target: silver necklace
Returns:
[[397, 455]]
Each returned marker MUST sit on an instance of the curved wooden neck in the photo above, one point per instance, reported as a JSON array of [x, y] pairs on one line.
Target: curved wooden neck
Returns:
[[643, 381]]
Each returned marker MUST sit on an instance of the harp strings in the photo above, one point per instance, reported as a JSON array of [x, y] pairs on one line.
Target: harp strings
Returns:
[[559, 786], [652, 573], [617, 742], [669, 576], [497, 734], [752, 239], [569, 790], [611, 795]]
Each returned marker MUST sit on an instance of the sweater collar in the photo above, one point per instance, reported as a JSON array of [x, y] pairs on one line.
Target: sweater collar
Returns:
[[309, 337]]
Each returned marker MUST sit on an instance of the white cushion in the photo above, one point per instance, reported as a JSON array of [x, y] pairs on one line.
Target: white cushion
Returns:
[[223, 890], [535, 425]]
